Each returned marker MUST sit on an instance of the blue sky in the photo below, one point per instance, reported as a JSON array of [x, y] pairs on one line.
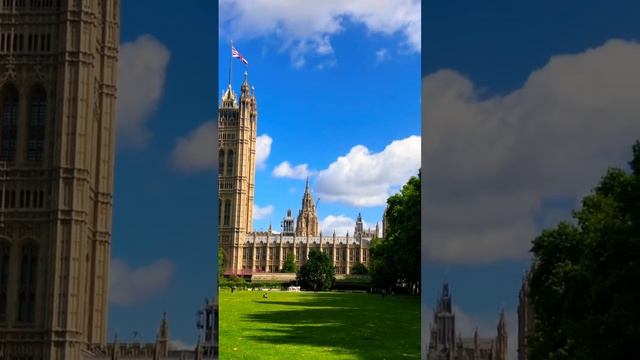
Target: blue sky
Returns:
[[329, 79], [164, 233], [526, 105]]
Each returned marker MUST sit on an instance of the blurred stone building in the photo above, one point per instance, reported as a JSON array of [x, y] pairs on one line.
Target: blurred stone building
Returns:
[[445, 344]]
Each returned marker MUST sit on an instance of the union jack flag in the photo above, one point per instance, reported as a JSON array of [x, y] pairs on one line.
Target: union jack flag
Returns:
[[236, 54]]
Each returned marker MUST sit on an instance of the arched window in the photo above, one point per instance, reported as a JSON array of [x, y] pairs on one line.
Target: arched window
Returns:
[[9, 123], [227, 212], [230, 163], [221, 162], [5, 252], [37, 124], [28, 283]]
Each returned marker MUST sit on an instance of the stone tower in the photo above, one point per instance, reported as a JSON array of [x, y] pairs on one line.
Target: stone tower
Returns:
[[237, 124], [307, 223], [359, 228], [287, 224], [443, 331], [58, 71], [501, 338], [525, 317]]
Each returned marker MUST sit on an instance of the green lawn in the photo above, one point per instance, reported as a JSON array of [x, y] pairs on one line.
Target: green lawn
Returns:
[[291, 325]]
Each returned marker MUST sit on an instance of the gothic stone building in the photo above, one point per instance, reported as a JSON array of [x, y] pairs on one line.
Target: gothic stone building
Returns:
[[445, 345], [162, 349], [246, 251], [58, 71]]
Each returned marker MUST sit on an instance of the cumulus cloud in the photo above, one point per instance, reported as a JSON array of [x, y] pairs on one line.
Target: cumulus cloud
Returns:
[[306, 27], [341, 224], [262, 212], [263, 149], [198, 150], [128, 286], [142, 67], [492, 164], [285, 170], [363, 178]]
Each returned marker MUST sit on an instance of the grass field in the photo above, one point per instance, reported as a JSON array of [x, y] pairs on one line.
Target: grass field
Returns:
[[292, 325]]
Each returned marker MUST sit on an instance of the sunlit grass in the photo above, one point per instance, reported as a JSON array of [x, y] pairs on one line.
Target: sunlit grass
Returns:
[[292, 325]]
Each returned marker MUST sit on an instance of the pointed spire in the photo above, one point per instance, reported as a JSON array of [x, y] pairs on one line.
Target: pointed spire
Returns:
[[164, 328], [115, 355], [476, 342], [245, 85], [502, 323], [306, 189]]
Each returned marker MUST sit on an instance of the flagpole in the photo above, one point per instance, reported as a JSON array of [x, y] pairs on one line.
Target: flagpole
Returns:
[[230, 61]]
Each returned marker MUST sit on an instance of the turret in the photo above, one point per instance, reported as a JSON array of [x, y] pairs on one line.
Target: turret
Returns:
[[162, 342], [501, 339]]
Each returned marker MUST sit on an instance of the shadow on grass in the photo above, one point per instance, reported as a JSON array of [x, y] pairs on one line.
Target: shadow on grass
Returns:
[[361, 325]]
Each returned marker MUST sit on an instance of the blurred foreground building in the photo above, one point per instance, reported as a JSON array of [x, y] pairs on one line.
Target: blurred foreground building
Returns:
[[58, 74]]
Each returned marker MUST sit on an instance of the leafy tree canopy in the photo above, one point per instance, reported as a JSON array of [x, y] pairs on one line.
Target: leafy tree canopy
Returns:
[[290, 264], [317, 273], [585, 284]]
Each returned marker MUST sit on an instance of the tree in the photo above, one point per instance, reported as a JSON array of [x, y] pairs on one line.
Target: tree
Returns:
[[359, 269], [395, 260], [290, 264], [317, 273], [220, 263], [585, 286]]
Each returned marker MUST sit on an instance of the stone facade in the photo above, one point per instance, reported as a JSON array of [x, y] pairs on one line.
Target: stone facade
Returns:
[[58, 72], [247, 252], [445, 345]]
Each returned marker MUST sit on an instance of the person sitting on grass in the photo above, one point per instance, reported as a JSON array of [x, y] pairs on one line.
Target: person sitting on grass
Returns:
[[265, 296]]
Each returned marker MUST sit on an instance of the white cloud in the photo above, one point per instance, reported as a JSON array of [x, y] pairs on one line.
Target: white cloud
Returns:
[[306, 27], [141, 73], [285, 170], [128, 286], [262, 212], [382, 55], [490, 162], [263, 149], [341, 224], [198, 150], [362, 178]]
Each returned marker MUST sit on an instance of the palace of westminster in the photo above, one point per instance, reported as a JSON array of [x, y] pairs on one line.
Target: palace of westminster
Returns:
[[248, 252], [58, 74]]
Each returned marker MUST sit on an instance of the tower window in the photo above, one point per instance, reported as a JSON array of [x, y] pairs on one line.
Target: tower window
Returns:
[[37, 125], [9, 124], [221, 162], [230, 163], [227, 212], [28, 277], [5, 251]]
